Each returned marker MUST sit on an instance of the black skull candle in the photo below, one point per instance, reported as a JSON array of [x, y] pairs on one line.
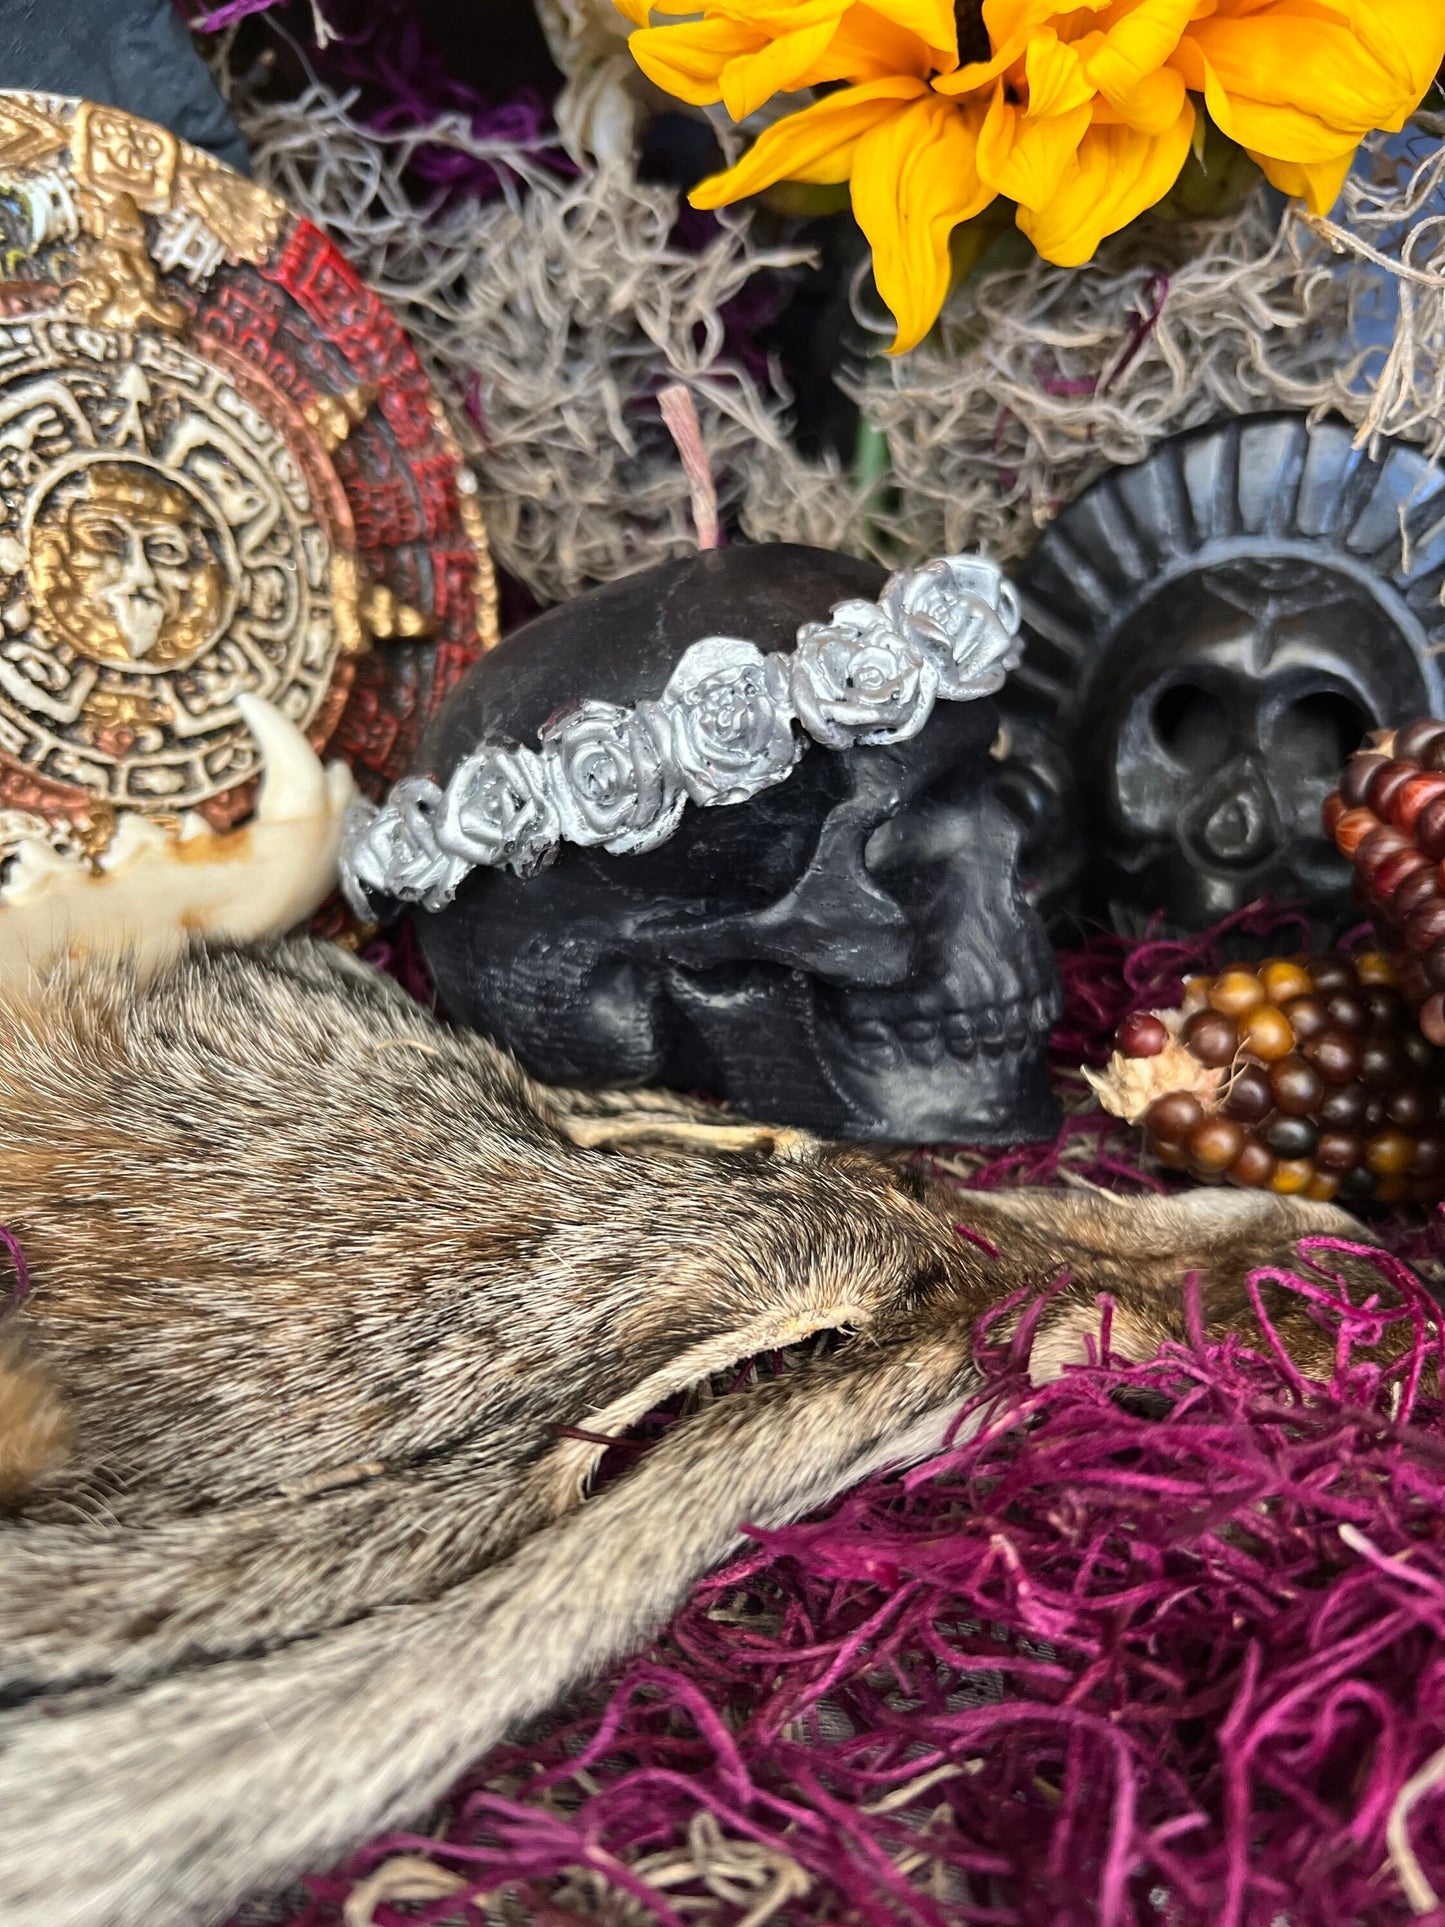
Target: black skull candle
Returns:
[[693, 829]]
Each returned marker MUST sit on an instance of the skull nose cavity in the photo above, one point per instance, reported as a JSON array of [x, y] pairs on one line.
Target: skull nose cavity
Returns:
[[1234, 822], [1234, 832]]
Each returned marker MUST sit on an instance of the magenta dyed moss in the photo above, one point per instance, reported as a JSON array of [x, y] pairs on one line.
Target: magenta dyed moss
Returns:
[[398, 953], [1162, 1645]]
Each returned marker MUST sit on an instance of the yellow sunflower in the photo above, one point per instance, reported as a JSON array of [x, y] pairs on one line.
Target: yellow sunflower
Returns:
[[1081, 112]]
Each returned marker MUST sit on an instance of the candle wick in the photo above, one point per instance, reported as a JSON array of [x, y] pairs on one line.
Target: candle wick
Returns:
[[679, 411]]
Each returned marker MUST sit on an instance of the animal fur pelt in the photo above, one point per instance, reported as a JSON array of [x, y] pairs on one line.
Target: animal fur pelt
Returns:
[[295, 1521]]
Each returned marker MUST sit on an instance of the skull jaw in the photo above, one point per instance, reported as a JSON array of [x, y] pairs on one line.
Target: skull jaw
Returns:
[[790, 1052], [974, 1076], [995, 1101], [1160, 886]]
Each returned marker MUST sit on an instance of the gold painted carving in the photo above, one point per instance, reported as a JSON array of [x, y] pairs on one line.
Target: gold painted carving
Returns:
[[167, 552], [123, 567], [27, 135], [119, 288], [161, 556], [334, 416], [244, 218], [368, 612], [385, 616], [92, 835], [113, 154], [352, 638], [121, 168], [126, 709]]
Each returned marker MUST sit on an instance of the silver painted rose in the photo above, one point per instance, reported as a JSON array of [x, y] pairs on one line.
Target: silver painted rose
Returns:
[[497, 810], [618, 778], [858, 679], [729, 720], [964, 615], [608, 780], [394, 852]]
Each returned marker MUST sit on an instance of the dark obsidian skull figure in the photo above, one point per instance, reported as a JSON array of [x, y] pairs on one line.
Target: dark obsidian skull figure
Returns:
[[848, 951], [1208, 637]]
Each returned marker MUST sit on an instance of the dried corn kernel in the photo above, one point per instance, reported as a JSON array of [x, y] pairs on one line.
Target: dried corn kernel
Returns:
[[1308, 1077]]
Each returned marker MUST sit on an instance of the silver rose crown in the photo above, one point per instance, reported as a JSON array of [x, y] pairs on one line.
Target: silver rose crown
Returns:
[[618, 778]]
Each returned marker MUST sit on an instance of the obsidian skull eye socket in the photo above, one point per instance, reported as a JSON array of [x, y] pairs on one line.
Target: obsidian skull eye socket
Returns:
[[1208, 635], [1191, 725], [848, 951], [1316, 732], [1321, 731]]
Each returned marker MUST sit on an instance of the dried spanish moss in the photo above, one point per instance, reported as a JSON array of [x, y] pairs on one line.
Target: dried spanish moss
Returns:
[[562, 305]]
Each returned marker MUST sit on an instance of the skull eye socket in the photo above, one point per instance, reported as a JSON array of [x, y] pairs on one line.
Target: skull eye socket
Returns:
[[1191, 725], [1025, 795], [1319, 732]]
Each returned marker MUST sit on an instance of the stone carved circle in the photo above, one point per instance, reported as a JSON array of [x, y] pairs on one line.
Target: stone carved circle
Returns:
[[222, 472], [161, 550]]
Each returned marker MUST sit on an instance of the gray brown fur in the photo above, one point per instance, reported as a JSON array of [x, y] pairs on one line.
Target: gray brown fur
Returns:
[[287, 1533]]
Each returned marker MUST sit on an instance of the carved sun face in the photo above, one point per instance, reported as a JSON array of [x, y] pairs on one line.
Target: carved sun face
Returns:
[[123, 567]]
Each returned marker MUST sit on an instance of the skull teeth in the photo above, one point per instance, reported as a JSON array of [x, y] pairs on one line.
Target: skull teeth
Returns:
[[995, 1029]]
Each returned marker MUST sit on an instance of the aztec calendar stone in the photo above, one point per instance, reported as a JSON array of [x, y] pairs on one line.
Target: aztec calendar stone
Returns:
[[223, 475]]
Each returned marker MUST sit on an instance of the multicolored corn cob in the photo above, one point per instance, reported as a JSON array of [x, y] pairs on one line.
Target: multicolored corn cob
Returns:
[[1388, 818], [1302, 1074]]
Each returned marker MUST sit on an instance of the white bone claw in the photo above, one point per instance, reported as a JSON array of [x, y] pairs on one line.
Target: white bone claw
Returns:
[[159, 889]]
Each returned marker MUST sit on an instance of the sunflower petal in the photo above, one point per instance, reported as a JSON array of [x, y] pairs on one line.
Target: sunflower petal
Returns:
[[1407, 38], [777, 67], [815, 145], [1154, 105], [931, 20], [914, 180], [1403, 39], [1057, 82], [1008, 19], [981, 74], [1262, 66], [1137, 46], [868, 47], [639, 12], [770, 17], [1025, 158], [1116, 174], [1279, 129], [688, 60], [1316, 183]]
